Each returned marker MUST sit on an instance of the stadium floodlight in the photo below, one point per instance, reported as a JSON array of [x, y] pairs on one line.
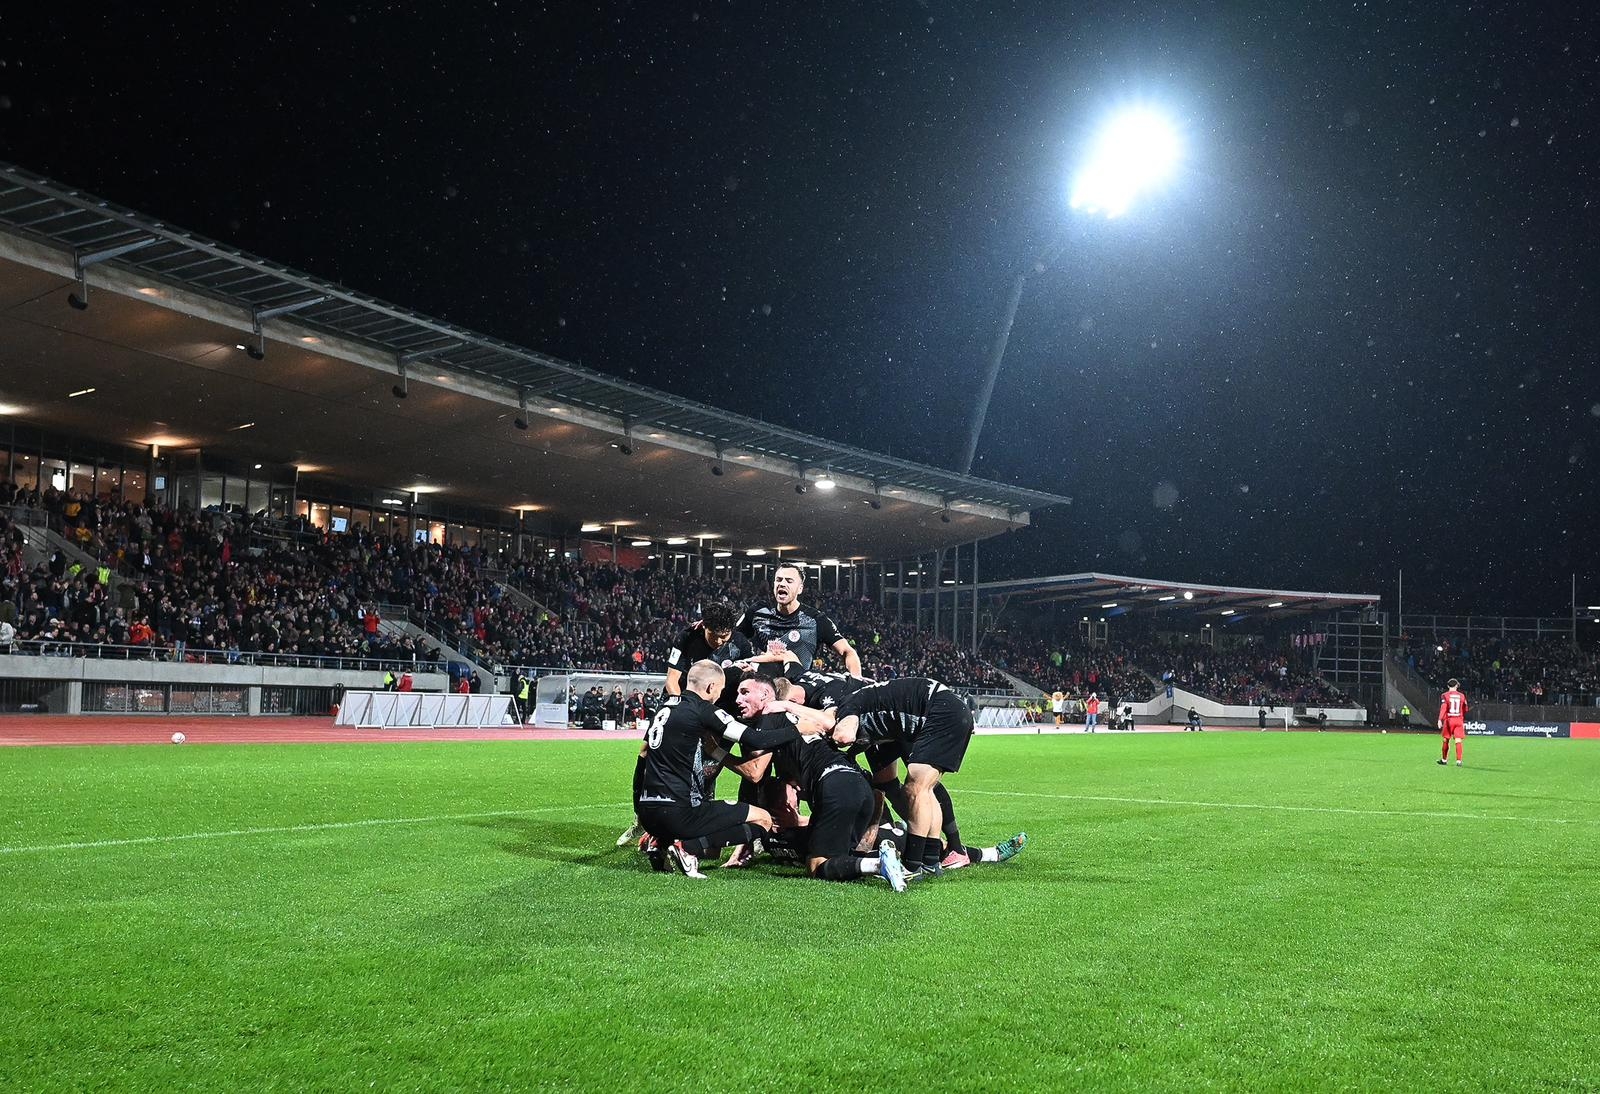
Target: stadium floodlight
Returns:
[[1133, 154], [825, 481], [1188, 594]]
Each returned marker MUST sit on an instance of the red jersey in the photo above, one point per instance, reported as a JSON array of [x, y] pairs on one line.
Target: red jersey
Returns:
[[1452, 706], [1092, 706]]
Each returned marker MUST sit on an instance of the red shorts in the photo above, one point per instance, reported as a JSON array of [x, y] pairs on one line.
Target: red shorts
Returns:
[[1454, 727]]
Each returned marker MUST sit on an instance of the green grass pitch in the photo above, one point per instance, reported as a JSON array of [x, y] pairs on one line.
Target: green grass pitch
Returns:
[[1220, 911]]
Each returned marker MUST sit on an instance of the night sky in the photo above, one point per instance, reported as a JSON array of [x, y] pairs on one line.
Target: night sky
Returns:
[[1355, 334]]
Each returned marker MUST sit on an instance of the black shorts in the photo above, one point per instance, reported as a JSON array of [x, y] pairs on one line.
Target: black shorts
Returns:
[[841, 810], [942, 740], [667, 822]]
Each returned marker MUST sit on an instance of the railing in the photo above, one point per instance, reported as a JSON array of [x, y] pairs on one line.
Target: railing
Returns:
[[182, 653], [433, 626]]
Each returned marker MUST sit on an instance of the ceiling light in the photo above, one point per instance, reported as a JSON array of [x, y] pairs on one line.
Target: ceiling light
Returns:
[[825, 481], [258, 467], [313, 340], [949, 581], [655, 436], [239, 346], [721, 554], [1187, 595], [558, 410], [1113, 604], [1166, 598], [246, 425], [677, 541], [148, 291], [638, 543], [84, 391], [830, 562], [391, 501], [742, 456], [591, 527], [1276, 604], [1226, 611], [756, 552]]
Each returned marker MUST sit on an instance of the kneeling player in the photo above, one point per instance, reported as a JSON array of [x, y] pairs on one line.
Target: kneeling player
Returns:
[[671, 802], [836, 789]]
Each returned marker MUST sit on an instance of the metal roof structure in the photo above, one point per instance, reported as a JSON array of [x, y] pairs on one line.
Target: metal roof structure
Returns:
[[269, 300], [1111, 595]]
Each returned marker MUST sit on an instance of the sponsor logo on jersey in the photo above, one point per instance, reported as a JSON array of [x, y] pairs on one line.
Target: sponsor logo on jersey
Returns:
[[794, 636]]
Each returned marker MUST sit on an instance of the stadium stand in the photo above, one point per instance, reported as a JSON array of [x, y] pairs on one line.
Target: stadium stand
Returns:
[[1534, 671]]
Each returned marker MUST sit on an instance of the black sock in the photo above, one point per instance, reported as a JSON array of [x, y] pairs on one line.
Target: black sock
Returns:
[[638, 783], [952, 833], [840, 868], [932, 853], [701, 846], [915, 847], [894, 792]]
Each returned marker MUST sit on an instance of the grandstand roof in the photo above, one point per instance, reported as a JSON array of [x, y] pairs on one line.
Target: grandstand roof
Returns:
[[1111, 595], [172, 313]]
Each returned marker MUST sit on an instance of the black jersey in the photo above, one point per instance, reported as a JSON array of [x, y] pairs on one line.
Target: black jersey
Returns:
[[828, 689], [674, 759], [893, 710], [803, 632], [804, 761], [692, 646]]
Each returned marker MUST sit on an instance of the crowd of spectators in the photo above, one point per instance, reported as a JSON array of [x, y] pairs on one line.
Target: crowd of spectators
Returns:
[[1077, 669], [1510, 669], [1248, 675], [147, 582]]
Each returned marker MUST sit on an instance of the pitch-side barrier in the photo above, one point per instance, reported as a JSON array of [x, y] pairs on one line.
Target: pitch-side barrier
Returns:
[[423, 710]]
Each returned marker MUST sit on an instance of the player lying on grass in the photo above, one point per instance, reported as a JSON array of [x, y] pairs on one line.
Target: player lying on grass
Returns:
[[672, 803]]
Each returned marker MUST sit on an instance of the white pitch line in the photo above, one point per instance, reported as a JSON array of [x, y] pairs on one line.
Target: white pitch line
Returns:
[[1278, 808], [328, 827]]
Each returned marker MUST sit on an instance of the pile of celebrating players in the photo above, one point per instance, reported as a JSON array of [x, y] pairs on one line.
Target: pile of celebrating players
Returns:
[[745, 696]]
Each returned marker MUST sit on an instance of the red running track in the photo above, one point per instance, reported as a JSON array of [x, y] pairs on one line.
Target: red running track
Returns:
[[111, 730]]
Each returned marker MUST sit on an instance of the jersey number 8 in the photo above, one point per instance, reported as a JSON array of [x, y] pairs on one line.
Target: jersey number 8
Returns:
[[658, 726]]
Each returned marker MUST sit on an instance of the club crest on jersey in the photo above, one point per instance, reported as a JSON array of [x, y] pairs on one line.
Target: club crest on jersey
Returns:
[[794, 636]]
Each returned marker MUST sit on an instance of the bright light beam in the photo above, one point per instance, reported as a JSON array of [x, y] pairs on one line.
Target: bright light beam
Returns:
[[1134, 153]]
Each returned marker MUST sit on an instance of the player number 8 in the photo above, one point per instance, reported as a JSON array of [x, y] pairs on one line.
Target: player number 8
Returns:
[[658, 726]]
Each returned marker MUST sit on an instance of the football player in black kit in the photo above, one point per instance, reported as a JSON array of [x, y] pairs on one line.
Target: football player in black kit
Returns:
[[831, 783], [672, 801], [823, 691], [787, 636], [712, 638], [932, 727]]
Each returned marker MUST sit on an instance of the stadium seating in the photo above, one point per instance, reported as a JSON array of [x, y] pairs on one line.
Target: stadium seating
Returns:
[[1527, 670]]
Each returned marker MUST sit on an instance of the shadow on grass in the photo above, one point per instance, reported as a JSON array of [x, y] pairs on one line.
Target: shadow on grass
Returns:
[[567, 841]]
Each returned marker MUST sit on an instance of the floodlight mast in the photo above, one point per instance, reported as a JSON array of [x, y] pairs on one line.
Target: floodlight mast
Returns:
[[1133, 154]]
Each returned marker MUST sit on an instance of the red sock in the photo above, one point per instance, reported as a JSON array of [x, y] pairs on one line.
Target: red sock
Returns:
[[1458, 750], [1444, 752]]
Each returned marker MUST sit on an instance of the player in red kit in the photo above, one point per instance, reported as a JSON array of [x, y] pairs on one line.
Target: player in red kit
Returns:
[[1452, 721]]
